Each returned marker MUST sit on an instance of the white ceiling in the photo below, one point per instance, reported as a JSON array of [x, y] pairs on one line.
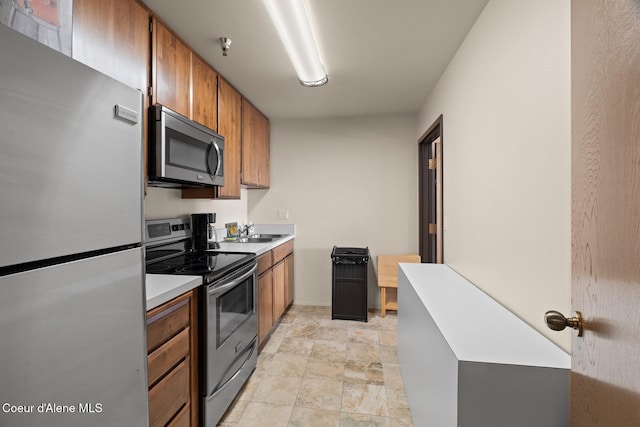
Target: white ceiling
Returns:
[[381, 56]]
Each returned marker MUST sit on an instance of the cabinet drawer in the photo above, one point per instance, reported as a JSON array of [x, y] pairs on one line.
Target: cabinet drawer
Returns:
[[264, 262], [167, 356], [280, 252], [167, 321], [183, 418], [169, 395]]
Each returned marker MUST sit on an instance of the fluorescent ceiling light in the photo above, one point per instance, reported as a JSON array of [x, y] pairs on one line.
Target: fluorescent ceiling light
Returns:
[[292, 23]]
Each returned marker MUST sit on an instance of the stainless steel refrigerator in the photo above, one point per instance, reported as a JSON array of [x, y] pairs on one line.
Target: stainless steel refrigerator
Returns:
[[72, 309]]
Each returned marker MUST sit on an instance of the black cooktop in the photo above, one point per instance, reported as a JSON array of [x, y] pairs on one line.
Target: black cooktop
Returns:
[[168, 250], [175, 259]]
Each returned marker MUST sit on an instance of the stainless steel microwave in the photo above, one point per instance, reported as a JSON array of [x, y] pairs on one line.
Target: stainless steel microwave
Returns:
[[183, 153]]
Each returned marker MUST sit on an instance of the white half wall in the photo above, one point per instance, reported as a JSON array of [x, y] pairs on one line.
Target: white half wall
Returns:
[[346, 182], [505, 100]]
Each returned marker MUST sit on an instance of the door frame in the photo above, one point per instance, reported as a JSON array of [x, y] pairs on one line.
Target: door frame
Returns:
[[429, 208]]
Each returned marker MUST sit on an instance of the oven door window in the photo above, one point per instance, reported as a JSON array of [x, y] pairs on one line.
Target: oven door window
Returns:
[[233, 308]]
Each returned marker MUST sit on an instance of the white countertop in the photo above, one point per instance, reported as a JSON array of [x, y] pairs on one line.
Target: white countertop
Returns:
[[287, 230], [477, 327], [161, 288], [255, 248]]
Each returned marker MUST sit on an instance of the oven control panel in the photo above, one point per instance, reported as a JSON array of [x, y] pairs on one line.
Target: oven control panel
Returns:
[[166, 229]]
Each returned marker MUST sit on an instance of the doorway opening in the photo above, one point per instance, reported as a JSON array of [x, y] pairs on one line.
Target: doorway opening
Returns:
[[430, 217]]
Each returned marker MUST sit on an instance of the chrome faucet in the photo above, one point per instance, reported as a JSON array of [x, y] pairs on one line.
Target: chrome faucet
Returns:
[[244, 230]]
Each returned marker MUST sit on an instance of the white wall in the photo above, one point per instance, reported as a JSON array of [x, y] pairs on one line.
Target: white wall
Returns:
[[345, 182], [505, 99], [162, 203]]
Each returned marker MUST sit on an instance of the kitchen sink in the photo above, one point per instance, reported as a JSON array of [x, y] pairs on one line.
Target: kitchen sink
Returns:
[[253, 240], [257, 238]]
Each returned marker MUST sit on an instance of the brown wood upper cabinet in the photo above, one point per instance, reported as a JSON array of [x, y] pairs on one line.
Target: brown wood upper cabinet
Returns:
[[113, 38], [171, 70], [182, 80], [229, 126], [205, 93], [255, 147]]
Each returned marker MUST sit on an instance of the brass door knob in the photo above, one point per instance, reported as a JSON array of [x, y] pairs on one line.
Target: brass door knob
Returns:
[[557, 321]]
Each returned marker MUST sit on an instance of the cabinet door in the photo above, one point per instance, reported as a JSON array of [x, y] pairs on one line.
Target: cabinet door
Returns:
[[263, 150], [230, 126], [113, 37], [205, 93], [289, 284], [255, 146], [279, 286], [265, 305], [171, 70], [249, 144]]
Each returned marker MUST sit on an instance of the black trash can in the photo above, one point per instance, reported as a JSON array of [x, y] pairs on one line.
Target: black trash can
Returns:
[[349, 288]]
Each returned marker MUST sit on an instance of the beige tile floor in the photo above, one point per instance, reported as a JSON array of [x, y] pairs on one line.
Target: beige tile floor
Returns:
[[317, 372]]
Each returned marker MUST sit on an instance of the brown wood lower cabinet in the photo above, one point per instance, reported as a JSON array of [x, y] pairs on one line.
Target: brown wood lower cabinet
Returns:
[[288, 277], [275, 288], [172, 362], [265, 305], [182, 419], [170, 395], [278, 290], [163, 359]]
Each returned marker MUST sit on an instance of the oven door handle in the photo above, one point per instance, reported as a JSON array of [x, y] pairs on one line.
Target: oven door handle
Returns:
[[214, 290]]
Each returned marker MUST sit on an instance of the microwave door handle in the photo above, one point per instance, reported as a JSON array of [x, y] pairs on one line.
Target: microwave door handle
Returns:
[[215, 145], [235, 282]]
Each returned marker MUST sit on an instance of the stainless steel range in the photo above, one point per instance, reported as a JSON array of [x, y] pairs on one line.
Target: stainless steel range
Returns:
[[227, 313]]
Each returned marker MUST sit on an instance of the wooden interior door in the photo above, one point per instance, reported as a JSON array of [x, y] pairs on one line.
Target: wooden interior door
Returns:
[[436, 170], [605, 378], [430, 195]]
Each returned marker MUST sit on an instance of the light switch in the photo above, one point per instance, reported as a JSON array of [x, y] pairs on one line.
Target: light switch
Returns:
[[445, 223]]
